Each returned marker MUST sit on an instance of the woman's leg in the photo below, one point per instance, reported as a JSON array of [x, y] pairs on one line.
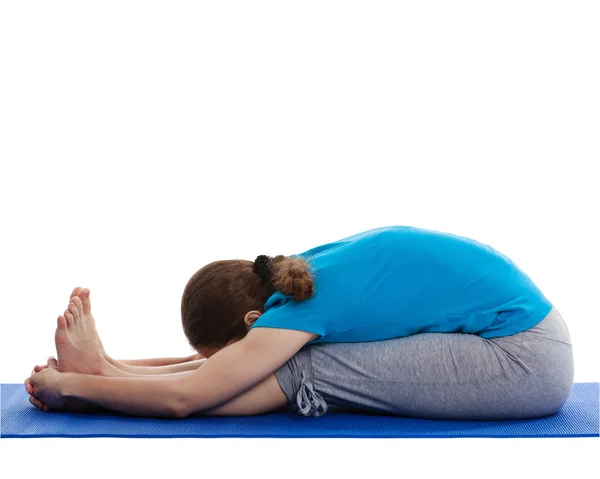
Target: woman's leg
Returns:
[[94, 343], [153, 362], [169, 368], [435, 375]]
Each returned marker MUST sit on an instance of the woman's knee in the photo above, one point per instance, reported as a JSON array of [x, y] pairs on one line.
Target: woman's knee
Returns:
[[548, 385]]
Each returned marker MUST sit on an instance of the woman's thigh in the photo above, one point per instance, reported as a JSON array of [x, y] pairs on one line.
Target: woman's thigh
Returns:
[[439, 375]]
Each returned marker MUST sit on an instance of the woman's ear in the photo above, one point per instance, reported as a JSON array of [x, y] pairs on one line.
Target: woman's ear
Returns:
[[251, 317]]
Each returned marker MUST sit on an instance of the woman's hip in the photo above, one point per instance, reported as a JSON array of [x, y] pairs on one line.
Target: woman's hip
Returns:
[[439, 375]]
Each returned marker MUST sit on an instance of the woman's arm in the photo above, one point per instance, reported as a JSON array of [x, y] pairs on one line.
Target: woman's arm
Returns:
[[227, 374], [264, 397]]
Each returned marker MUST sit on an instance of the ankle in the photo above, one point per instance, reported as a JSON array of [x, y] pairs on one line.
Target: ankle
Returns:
[[105, 369]]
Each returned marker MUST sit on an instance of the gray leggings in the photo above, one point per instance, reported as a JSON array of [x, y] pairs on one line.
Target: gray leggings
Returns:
[[438, 375]]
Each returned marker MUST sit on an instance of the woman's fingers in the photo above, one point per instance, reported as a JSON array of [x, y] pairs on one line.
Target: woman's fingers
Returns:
[[37, 403], [28, 385], [37, 369], [29, 382]]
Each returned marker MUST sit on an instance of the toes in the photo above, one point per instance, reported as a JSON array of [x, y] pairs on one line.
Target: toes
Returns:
[[52, 362], [84, 296], [74, 311], [75, 292], [61, 322], [79, 305], [69, 318]]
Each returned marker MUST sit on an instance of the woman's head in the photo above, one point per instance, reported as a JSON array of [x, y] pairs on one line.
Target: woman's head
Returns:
[[222, 300]]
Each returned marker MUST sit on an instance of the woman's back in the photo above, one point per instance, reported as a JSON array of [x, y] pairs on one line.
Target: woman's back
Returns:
[[398, 281]]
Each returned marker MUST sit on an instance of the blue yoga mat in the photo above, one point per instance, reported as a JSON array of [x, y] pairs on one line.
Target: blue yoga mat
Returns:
[[577, 418]]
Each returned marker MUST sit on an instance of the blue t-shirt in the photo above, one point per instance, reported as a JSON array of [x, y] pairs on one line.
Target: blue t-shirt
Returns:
[[398, 281]]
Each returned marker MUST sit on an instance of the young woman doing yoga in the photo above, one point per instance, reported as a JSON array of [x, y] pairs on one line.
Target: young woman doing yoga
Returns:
[[399, 320]]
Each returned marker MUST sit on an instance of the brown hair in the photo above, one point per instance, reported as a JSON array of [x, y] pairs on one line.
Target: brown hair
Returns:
[[218, 296]]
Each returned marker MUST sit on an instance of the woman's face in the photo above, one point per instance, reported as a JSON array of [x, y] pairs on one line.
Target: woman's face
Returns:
[[208, 351], [249, 319]]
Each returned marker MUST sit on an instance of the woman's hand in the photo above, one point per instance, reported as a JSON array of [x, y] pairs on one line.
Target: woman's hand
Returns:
[[44, 387], [29, 388]]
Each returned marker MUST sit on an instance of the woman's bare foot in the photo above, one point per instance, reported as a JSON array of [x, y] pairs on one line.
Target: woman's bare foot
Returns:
[[77, 343], [114, 362], [76, 292], [127, 367]]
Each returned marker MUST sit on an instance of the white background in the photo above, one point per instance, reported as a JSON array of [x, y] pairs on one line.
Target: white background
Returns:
[[142, 140]]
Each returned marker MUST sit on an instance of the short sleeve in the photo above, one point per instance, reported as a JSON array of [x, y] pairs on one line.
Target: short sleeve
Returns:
[[282, 312]]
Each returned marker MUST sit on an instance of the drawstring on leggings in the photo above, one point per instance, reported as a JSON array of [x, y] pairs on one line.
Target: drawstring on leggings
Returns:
[[309, 402]]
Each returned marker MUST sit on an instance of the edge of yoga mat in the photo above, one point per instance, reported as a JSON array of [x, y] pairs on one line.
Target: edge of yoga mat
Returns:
[[579, 417]]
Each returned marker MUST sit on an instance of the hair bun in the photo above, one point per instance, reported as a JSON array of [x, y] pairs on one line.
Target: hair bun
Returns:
[[293, 277], [262, 267]]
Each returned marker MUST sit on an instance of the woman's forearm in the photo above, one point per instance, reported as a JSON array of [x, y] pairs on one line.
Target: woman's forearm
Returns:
[[136, 396]]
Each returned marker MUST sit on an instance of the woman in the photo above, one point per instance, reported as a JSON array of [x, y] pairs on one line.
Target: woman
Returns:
[[398, 319]]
